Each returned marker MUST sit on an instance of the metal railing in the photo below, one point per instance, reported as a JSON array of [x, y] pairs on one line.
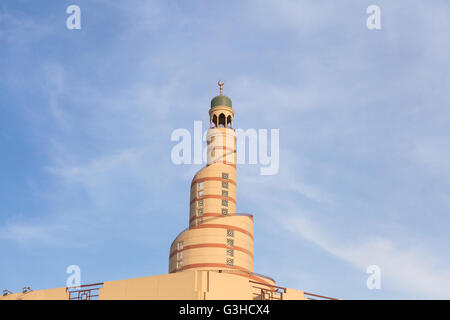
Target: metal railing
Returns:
[[317, 296], [268, 292], [85, 292]]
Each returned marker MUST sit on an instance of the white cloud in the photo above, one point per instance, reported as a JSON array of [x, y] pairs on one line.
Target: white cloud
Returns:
[[411, 270], [36, 233], [409, 262]]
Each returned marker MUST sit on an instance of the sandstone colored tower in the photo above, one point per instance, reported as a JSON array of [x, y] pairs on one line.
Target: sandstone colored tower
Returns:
[[218, 238]]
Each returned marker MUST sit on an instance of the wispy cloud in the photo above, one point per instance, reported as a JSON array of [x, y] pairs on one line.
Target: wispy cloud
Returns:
[[38, 234], [410, 263], [411, 269]]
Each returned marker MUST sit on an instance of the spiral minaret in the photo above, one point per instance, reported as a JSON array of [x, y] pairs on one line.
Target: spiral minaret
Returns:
[[217, 237], [212, 259]]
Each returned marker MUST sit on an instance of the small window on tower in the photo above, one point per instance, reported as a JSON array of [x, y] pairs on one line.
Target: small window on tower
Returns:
[[180, 245], [200, 194], [201, 185], [230, 262], [199, 221], [225, 185], [230, 233], [224, 193], [230, 242], [225, 203], [224, 175], [200, 212], [224, 211], [200, 203], [230, 252]]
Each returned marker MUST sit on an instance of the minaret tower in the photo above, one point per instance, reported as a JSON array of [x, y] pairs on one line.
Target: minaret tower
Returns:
[[217, 238], [212, 259]]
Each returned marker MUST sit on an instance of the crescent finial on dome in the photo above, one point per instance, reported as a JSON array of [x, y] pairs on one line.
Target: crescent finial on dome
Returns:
[[221, 86]]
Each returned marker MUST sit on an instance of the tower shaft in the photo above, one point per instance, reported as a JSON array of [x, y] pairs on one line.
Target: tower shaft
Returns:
[[217, 237]]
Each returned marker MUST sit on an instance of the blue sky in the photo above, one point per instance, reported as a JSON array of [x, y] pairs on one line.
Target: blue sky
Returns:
[[86, 117]]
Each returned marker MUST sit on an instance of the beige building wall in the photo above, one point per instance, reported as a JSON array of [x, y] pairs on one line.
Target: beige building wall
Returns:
[[186, 285], [48, 294]]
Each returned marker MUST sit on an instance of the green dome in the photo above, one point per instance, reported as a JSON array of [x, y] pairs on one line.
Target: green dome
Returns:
[[221, 101]]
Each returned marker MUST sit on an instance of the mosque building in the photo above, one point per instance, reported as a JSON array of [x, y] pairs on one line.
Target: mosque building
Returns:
[[212, 259]]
